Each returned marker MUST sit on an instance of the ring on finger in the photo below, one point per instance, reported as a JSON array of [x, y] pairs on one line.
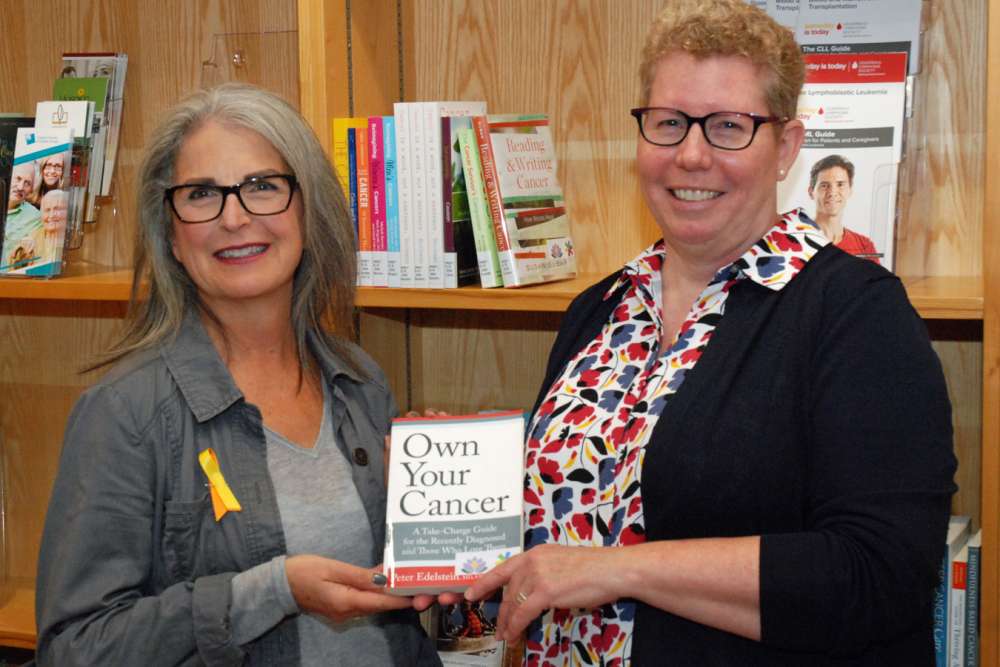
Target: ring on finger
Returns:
[[521, 597]]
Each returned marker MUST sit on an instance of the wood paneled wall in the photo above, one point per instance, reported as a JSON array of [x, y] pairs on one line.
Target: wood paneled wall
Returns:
[[44, 344]]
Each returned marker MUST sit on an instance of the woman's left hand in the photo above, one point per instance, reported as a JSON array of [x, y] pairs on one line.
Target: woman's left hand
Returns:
[[551, 576]]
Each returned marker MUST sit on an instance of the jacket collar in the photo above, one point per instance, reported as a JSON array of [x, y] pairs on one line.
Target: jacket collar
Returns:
[[771, 262], [202, 376]]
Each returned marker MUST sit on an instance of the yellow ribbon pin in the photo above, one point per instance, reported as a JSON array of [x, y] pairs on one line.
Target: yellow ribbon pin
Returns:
[[223, 499]]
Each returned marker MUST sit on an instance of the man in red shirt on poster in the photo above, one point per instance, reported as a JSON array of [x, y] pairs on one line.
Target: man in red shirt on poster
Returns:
[[830, 182]]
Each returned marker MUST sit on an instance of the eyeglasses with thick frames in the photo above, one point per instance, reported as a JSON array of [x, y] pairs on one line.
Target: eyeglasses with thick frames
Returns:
[[258, 195], [728, 130]]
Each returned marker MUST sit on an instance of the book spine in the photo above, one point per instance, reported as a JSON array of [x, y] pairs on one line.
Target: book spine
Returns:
[[418, 153], [482, 228], [491, 182], [956, 641], [364, 209], [940, 612], [391, 200], [449, 259], [434, 205], [352, 180], [972, 608], [376, 167], [339, 128]]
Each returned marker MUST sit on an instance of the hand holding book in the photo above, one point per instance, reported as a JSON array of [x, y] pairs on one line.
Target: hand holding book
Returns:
[[550, 576], [341, 591]]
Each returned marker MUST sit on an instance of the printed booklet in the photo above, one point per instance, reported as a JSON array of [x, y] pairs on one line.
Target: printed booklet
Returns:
[[33, 238], [845, 175], [454, 500]]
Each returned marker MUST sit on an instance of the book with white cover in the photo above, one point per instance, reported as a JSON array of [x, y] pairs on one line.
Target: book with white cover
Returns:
[[453, 508], [852, 107], [404, 192], [439, 263], [861, 26]]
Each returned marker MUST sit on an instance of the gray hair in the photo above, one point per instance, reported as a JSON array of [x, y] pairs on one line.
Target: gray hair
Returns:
[[55, 194], [323, 285]]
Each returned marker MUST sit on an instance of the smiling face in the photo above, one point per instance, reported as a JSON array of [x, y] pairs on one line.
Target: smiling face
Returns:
[[238, 256], [53, 207], [712, 204], [831, 192], [22, 180], [52, 171]]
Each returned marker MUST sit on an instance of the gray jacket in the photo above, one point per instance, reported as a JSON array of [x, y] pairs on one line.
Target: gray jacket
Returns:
[[134, 569]]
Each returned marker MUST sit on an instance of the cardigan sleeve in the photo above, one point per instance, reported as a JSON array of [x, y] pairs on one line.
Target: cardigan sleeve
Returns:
[[879, 469]]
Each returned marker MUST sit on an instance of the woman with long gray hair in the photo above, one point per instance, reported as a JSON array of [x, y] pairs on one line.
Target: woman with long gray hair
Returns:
[[220, 497]]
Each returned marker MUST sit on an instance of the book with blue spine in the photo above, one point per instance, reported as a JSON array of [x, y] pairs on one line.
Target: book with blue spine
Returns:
[[958, 535], [391, 200], [352, 182]]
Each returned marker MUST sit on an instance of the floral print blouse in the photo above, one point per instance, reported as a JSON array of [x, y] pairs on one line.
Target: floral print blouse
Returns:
[[586, 441]]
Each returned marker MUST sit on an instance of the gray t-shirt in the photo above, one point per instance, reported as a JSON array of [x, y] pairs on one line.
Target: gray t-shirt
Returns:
[[322, 514]]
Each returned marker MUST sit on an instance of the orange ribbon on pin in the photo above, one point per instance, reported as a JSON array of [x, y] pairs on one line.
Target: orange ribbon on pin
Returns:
[[223, 499]]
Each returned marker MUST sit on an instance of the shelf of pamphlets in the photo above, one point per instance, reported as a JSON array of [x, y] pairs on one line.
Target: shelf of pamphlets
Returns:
[[57, 164], [863, 68]]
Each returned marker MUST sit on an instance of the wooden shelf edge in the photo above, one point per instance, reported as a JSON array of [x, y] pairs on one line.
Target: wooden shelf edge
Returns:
[[937, 297], [79, 284], [547, 297], [946, 297], [17, 614]]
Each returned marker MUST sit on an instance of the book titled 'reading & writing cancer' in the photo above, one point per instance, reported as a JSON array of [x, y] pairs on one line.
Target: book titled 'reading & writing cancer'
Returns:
[[454, 501]]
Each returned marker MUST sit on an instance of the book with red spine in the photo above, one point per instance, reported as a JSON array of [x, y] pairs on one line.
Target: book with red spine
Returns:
[[364, 208], [376, 170]]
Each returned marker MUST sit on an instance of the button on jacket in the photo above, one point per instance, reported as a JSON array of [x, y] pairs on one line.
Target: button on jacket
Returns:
[[134, 569]]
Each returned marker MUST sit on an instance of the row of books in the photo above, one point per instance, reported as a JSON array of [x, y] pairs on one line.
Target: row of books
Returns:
[[956, 600], [55, 165], [442, 195], [861, 65]]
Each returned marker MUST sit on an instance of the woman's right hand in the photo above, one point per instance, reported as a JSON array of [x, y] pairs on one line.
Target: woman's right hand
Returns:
[[338, 590]]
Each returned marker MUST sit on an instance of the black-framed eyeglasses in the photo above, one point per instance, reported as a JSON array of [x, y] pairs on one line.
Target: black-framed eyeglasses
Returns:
[[728, 130], [258, 195]]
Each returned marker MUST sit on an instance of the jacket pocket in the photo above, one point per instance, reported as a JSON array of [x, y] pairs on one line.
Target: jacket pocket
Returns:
[[187, 542]]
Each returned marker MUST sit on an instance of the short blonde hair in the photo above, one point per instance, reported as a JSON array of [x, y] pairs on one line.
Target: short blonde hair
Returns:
[[705, 28]]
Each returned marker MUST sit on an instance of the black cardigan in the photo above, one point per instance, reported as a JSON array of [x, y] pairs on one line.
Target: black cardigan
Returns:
[[818, 418]]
